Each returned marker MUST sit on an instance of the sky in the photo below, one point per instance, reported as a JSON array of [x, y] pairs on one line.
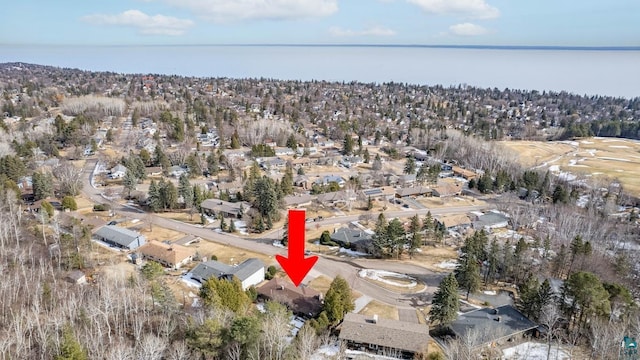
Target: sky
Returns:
[[401, 22]]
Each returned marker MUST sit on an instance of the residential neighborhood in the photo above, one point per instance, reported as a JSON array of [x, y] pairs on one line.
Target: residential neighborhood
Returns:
[[174, 195]]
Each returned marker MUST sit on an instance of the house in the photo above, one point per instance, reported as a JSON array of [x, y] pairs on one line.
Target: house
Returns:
[[272, 163], [384, 336], [491, 220], [170, 255], [301, 162], [489, 327], [76, 277], [407, 180], [120, 237], [153, 171], [447, 190], [301, 181], [229, 154], [327, 179], [284, 151], [336, 198], [413, 191], [294, 201], [463, 173], [455, 221], [249, 273], [301, 300], [118, 171], [356, 239], [177, 171], [380, 193], [227, 209]]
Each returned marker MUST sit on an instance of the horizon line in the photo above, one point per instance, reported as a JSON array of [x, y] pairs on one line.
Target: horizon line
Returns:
[[432, 46]]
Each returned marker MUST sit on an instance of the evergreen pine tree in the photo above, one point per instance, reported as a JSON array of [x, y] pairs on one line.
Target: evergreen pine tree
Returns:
[[445, 303]]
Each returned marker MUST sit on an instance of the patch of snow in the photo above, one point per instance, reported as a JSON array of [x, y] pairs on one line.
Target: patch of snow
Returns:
[[260, 307], [554, 168], [189, 281], [382, 276], [619, 146], [582, 201], [351, 252], [534, 351], [326, 351], [586, 142], [490, 292], [279, 244], [614, 159], [361, 302], [592, 152], [448, 264]]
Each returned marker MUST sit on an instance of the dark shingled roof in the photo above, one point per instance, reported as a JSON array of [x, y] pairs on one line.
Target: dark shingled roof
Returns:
[[492, 324], [409, 337], [301, 300]]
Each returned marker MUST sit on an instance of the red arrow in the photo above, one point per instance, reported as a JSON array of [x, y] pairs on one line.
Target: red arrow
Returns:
[[296, 266]]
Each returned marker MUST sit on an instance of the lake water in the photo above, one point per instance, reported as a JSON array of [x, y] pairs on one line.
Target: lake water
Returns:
[[592, 72]]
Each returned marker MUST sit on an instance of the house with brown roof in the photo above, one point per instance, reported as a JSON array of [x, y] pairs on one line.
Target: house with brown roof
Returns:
[[463, 173], [301, 300], [170, 255], [455, 221], [384, 336], [413, 191], [447, 189]]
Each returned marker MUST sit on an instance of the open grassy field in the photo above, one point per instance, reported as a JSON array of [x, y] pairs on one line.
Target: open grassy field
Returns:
[[606, 158], [380, 309]]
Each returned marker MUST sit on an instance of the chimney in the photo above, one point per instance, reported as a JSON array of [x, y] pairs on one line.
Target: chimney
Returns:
[[375, 319]]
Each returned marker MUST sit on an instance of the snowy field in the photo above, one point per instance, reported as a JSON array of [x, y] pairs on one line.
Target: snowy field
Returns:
[[448, 264], [383, 276], [534, 351]]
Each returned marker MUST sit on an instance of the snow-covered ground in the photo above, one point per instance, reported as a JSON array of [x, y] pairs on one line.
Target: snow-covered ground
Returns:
[[534, 351], [352, 253], [333, 350], [383, 276], [190, 282], [448, 264]]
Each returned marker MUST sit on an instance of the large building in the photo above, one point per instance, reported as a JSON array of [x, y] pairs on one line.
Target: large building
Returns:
[[250, 272], [383, 336], [120, 237], [488, 327], [170, 255], [301, 300]]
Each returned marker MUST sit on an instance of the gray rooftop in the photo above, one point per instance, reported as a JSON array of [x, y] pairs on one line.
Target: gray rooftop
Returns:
[[410, 337], [242, 271], [121, 236], [488, 325], [490, 219], [348, 235]]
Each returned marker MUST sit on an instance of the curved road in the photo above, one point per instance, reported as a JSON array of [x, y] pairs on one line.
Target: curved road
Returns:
[[326, 265]]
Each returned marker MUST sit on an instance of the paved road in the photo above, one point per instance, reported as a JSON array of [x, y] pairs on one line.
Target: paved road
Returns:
[[326, 265]]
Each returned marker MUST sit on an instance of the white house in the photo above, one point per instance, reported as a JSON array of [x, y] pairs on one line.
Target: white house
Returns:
[[118, 171]]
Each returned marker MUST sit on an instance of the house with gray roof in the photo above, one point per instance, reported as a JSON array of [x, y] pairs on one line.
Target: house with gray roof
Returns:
[[355, 239], [249, 273], [384, 336], [491, 220], [120, 237], [227, 209], [488, 327]]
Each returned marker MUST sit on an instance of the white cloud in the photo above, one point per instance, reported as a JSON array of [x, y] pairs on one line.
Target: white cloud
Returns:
[[478, 9], [146, 24], [467, 29], [371, 31], [225, 11]]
